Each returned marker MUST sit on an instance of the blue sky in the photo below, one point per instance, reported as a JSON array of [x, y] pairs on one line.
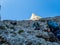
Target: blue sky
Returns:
[[22, 9]]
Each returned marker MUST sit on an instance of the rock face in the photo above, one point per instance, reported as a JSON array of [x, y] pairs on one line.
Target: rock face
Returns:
[[34, 17], [22, 33]]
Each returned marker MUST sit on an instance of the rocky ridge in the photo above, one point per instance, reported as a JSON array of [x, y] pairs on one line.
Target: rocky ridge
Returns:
[[22, 33]]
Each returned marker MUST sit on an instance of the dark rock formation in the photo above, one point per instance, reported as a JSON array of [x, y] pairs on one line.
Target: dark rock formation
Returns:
[[22, 32]]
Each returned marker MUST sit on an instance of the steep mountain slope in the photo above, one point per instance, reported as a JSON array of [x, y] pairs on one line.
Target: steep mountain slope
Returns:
[[22, 33]]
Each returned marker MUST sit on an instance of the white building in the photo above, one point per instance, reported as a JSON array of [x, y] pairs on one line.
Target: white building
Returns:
[[34, 17]]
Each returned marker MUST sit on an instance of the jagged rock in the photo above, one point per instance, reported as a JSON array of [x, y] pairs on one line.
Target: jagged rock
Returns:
[[54, 43], [43, 40], [22, 33], [14, 23], [49, 43], [3, 40], [39, 34], [2, 26], [45, 35]]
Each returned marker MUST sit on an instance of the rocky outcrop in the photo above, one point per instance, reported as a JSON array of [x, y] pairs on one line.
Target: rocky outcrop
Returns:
[[22, 33]]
